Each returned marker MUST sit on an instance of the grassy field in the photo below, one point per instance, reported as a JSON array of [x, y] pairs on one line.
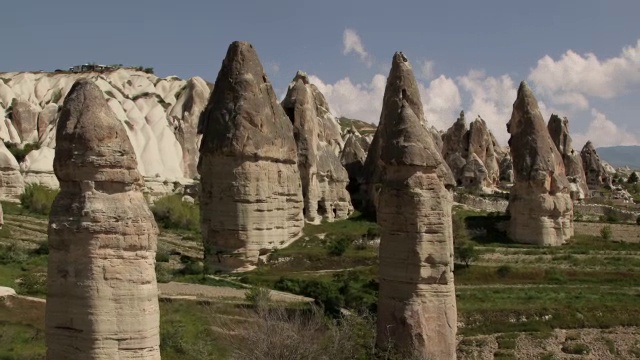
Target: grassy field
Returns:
[[507, 289]]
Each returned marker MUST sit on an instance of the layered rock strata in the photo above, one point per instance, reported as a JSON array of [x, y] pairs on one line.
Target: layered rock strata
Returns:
[[539, 203], [251, 195], [102, 297], [559, 131], [416, 301], [317, 134], [595, 172], [11, 182]]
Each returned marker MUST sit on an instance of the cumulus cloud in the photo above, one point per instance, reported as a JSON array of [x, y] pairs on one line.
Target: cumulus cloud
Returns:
[[425, 70], [353, 44], [490, 97], [361, 101], [442, 102], [604, 132], [573, 78]]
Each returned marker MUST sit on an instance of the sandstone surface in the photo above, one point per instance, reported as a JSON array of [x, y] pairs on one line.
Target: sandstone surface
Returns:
[[400, 81], [318, 138], [11, 182], [416, 301], [251, 199], [559, 131], [539, 203], [595, 171], [102, 297]]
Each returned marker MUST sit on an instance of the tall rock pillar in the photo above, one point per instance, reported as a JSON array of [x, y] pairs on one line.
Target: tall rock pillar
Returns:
[[102, 297], [416, 301]]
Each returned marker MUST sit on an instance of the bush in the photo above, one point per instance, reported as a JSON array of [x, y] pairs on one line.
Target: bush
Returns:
[[21, 153], [258, 297], [504, 271], [605, 232], [173, 213], [163, 273], [337, 247], [38, 198], [33, 284], [12, 254], [162, 256], [465, 252], [633, 178], [576, 349]]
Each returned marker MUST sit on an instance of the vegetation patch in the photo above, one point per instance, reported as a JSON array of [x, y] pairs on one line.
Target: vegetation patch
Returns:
[[20, 152], [173, 213], [38, 198]]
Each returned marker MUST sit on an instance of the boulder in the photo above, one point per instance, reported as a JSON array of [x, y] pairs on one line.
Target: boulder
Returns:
[[324, 179], [102, 297], [559, 131], [595, 172], [416, 300], [539, 203], [24, 117], [251, 194]]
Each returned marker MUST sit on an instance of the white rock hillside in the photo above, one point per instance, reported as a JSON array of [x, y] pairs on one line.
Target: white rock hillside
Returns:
[[160, 117]]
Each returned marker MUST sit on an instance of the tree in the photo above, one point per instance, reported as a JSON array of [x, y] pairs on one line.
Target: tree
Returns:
[[466, 252], [605, 232], [633, 178]]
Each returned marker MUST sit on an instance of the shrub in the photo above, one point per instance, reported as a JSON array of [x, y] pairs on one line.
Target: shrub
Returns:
[[162, 256], [605, 232], [12, 254], [38, 198], [337, 247], [466, 252], [173, 213], [258, 296], [21, 153], [576, 349], [33, 284], [633, 178], [163, 273], [42, 249], [504, 271]]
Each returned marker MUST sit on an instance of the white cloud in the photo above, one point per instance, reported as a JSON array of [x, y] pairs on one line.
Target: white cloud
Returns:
[[492, 98], [442, 102], [574, 77], [603, 132], [272, 67], [360, 101], [426, 71], [352, 43]]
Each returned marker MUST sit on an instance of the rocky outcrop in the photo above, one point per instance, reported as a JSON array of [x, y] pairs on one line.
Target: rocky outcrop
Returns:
[[102, 297], [160, 114], [559, 131], [595, 172], [416, 301], [473, 154], [251, 197], [11, 182], [539, 203], [405, 83], [317, 135]]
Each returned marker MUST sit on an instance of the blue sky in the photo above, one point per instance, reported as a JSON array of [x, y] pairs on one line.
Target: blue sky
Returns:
[[468, 55]]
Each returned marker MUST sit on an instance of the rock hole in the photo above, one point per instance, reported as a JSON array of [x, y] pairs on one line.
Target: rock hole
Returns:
[[322, 210]]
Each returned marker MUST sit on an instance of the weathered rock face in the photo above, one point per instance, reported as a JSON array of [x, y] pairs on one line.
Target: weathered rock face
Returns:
[[400, 81], [506, 169], [25, 119], [481, 143], [11, 183], [596, 174], [416, 301], [251, 198], [455, 147], [540, 206], [317, 135], [559, 131], [102, 298]]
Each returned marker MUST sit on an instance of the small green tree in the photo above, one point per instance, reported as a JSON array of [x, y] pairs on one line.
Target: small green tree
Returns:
[[605, 232], [633, 178], [465, 252], [337, 247]]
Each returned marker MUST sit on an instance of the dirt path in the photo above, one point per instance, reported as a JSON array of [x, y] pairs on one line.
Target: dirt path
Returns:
[[197, 291], [623, 232]]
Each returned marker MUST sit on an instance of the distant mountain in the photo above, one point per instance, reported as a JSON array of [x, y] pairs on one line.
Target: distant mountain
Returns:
[[619, 156]]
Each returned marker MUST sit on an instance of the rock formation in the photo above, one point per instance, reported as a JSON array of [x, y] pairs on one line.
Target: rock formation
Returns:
[[416, 301], [540, 205], [251, 198], [160, 116], [317, 135], [102, 298], [473, 154], [11, 182], [559, 131], [374, 169], [595, 172]]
